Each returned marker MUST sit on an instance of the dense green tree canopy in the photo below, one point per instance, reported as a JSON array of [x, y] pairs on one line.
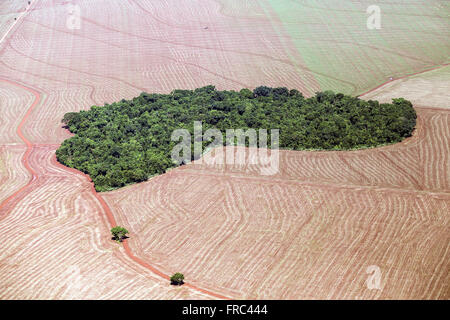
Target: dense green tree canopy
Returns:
[[177, 279], [129, 141], [119, 233]]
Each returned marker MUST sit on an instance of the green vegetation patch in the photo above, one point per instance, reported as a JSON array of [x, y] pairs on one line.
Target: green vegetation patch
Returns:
[[129, 141]]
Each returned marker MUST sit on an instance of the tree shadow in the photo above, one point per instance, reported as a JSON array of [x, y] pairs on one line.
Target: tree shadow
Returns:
[[120, 240]]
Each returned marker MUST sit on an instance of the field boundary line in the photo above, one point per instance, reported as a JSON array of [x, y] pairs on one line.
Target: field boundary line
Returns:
[[128, 251], [28, 144], [403, 77]]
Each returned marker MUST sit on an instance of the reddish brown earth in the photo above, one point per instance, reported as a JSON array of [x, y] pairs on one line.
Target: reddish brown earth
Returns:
[[310, 231], [56, 248]]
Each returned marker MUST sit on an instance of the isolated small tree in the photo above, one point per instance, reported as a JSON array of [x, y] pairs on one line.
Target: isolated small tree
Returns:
[[177, 279], [119, 233]]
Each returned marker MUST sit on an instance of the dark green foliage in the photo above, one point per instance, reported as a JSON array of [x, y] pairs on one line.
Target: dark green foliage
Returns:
[[262, 91], [177, 279], [129, 141], [119, 233]]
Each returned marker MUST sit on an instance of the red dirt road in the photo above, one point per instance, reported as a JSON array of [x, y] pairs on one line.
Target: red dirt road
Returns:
[[310, 231], [25, 140], [105, 207], [112, 223]]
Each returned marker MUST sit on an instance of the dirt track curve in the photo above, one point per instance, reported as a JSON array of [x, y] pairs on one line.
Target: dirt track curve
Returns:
[[107, 211], [105, 207], [27, 142]]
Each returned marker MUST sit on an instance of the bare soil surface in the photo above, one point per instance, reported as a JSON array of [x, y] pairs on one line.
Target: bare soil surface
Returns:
[[312, 230]]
